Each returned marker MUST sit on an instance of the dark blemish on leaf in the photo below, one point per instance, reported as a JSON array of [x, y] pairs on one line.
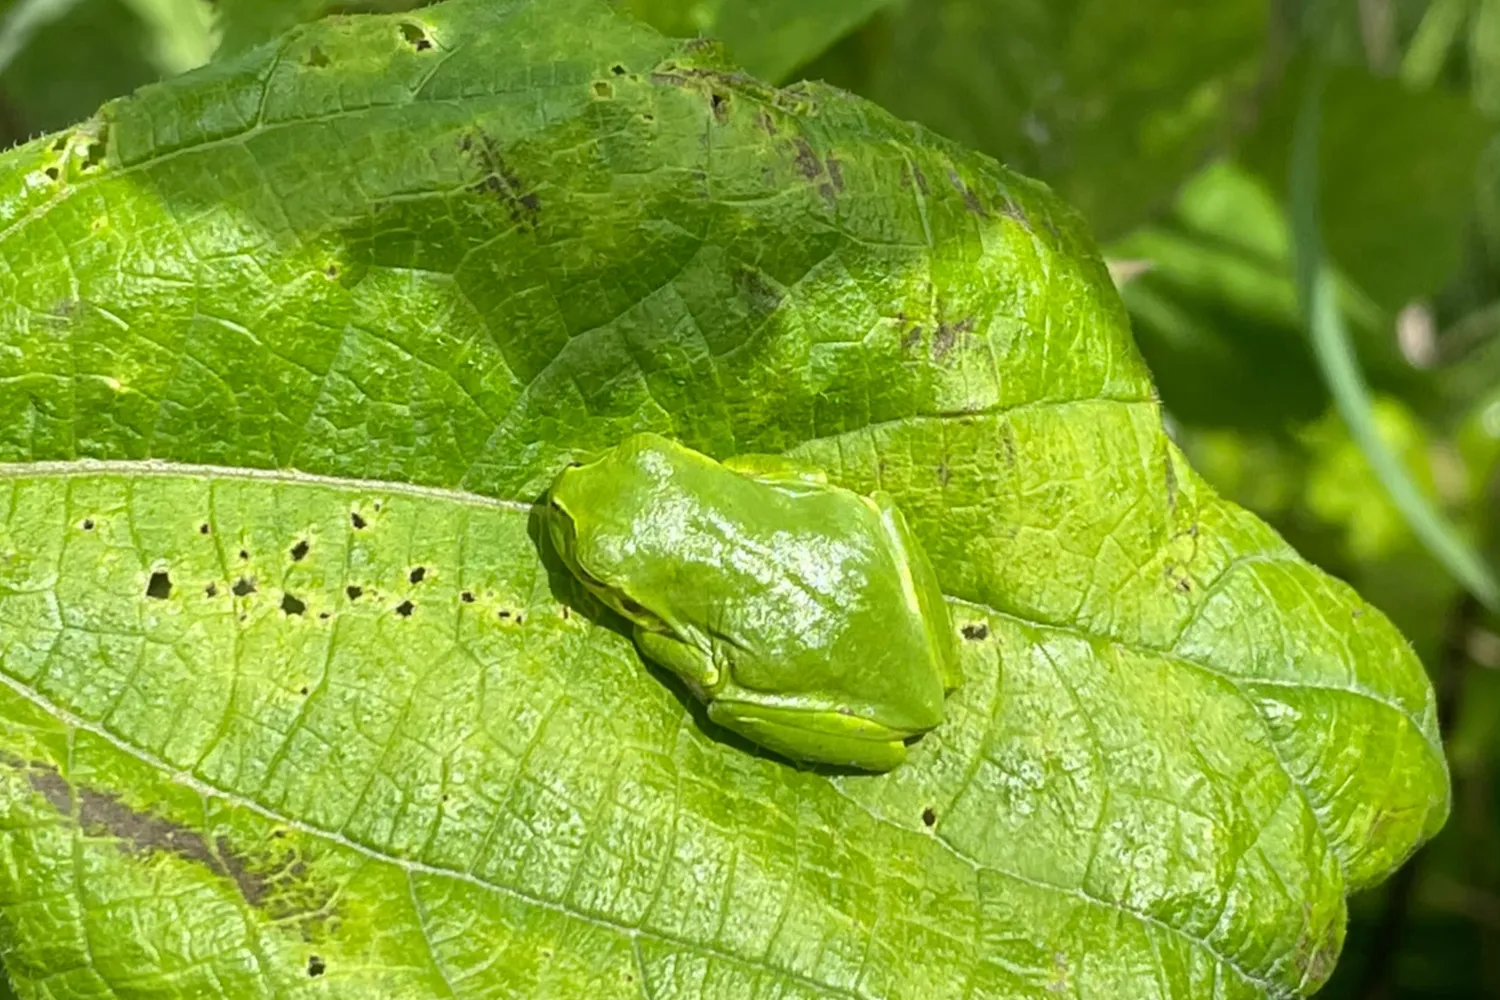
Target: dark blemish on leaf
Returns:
[[976, 632], [943, 474], [323, 616], [93, 157], [618, 70], [566, 613], [315, 967], [466, 597], [299, 551], [929, 817], [1185, 585], [912, 338], [835, 172], [720, 104], [244, 554], [61, 144], [291, 605], [204, 529], [331, 272], [757, 291], [355, 593], [316, 58], [143, 833], [501, 181], [1171, 485], [971, 200], [415, 36], [356, 520], [648, 117], [417, 575], [405, 608], [88, 524], [919, 177], [160, 586], [212, 590], [766, 122], [244, 586], [52, 173], [807, 160], [603, 90], [503, 613], [947, 336]]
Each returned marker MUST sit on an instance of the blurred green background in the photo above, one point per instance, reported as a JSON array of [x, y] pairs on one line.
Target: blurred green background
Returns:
[[1172, 125]]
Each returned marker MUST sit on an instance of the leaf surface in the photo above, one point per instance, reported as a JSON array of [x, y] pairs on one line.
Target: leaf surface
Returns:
[[290, 704]]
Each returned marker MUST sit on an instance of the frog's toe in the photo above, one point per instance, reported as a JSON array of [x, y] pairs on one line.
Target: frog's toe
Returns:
[[818, 737]]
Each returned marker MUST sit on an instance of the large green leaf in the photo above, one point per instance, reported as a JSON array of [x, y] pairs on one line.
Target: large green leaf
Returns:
[[340, 731], [1112, 103]]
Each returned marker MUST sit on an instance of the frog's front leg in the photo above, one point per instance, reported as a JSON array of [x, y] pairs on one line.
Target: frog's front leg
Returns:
[[776, 469], [687, 661], [820, 737]]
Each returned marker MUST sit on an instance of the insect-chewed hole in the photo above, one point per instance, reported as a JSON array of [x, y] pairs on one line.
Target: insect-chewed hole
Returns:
[[243, 587], [405, 608], [88, 524], [467, 597], [244, 554], [355, 593], [929, 816], [316, 57], [52, 173], [291, 605], [976, 632], [299, 551], [204, 529], [356, 520], [417, 575], [160, 586], [618, 70], [316, 966], [603, 89], [415, 36], [212, 590]]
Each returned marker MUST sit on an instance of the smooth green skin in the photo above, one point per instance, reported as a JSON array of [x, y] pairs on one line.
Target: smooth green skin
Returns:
[[806, 616], [1178, 746]]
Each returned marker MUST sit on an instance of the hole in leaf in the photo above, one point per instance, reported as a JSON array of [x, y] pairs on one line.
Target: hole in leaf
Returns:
[[299, 551], [929, 816], [291, 605], [244, 554], [88, 524], [355, 593], [212, 590], [94, 155], [316, 57], [160, 586], [976, 631], [331, 272], [417, 575], [204, 529], [405, 608], [603, 89], [52, 173], [617, 69], [356, 520], [566, 613], [466, 597], [61, 144], [304, 691], [503, 613], [316, 967], [415, 37], [324, 615], [243, 587]]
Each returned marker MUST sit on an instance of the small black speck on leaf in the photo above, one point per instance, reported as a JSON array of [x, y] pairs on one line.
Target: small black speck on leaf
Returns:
[[929, 817], [976, 632], [617, 70], [355, 593], [405, 608], [415, 37], [291, 605], [160, 586], [503, 613], [244, 554], [466, 597], [243, 587], [52, 173], [304, 691], [417, 575], [316, 967], [204, 529], [212, 590], [356, 520], [88, 524], [299, 551]]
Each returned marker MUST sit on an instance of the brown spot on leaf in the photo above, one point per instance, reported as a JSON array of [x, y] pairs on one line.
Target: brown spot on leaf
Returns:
[[766, 123], [244, 586], [835, 172], [976, 631], [807, 160], [912, 338], [720, 104], [929, 817], [159, 587], [971, 200], [947, 336], [943, 473], [500, 180]]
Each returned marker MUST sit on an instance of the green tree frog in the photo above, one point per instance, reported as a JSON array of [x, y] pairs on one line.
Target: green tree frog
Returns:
[[804, 615]]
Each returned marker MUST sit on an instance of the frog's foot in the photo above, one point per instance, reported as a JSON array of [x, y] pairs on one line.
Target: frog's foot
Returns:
[[820, 737], [687, 661], [776, 469]]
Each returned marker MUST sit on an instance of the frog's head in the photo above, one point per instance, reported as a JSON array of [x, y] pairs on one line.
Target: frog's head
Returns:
[[567, 501]]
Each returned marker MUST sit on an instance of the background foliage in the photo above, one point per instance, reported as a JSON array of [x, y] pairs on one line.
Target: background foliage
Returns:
[[1169, 124]]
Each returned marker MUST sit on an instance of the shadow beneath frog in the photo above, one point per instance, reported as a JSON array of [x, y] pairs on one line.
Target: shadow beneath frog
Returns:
[[567, 590]]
